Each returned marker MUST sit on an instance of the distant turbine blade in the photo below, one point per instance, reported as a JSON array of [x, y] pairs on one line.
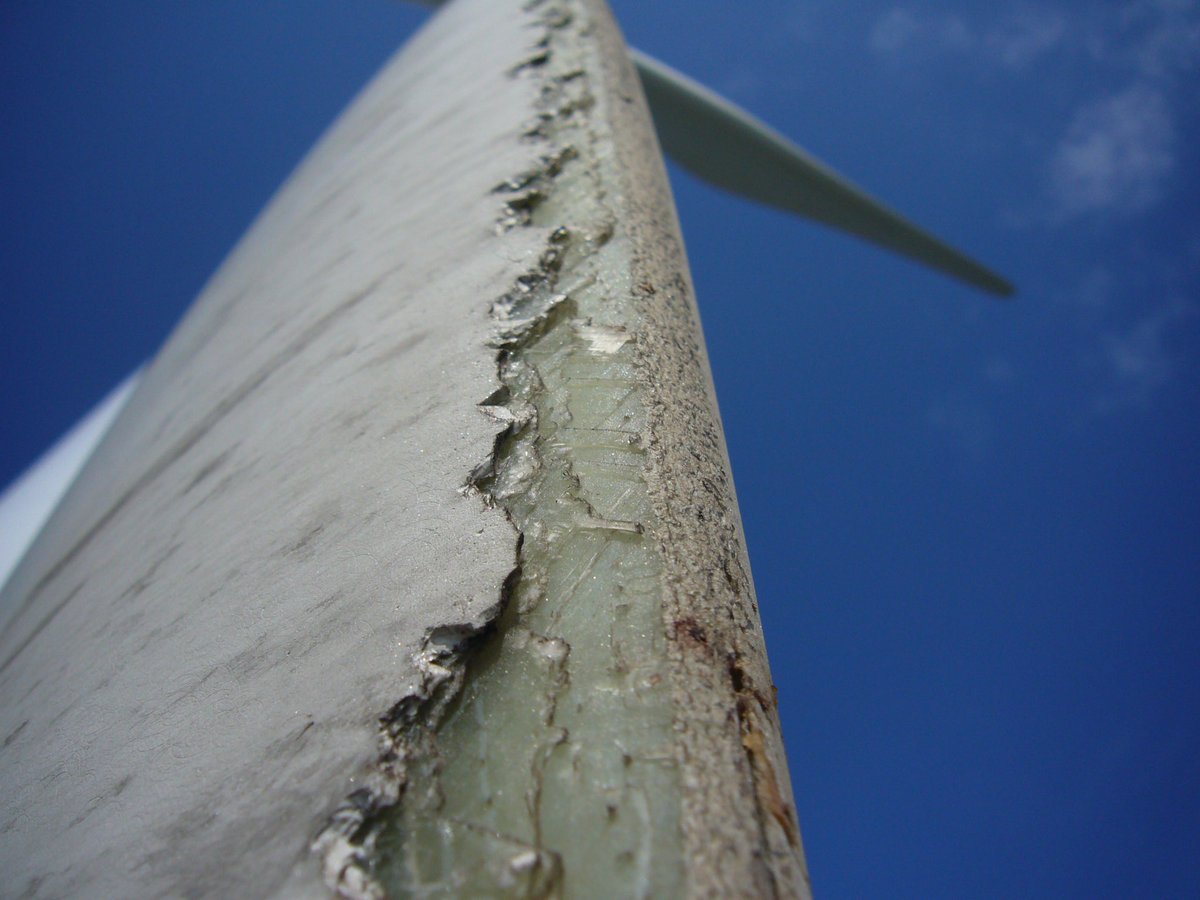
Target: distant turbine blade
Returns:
[[29, 501], [726, 146]]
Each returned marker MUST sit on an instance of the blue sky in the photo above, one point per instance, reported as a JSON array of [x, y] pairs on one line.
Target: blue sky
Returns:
[[973, 524]]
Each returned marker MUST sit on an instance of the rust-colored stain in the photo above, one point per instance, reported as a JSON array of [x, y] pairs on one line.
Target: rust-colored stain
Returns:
[[766, 784], [689, 630], [768, 788]]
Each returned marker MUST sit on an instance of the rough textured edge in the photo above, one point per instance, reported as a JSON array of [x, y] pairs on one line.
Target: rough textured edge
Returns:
[[345, 844], [739, 824], [570, 190], [740, 830]]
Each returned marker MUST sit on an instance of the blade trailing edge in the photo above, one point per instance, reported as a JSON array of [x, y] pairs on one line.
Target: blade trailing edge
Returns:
[[726, 146]]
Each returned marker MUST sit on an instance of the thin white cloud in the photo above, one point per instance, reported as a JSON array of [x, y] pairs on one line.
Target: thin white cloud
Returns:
[[1139, 360], [1115, 155], [901, 29], [1158, 37], [803, 21], [1014, 42], [1119, 78], [1026, 37], [894, 31], [1152, 38]]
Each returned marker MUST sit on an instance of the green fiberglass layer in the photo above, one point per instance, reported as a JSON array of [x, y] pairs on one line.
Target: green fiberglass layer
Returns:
[[554, 771]]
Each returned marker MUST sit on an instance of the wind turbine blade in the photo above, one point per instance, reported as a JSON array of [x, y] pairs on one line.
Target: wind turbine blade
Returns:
[[726, 146], [29, 501]]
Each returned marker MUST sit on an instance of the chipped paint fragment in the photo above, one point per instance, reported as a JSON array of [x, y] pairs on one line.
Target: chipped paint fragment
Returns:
[[603, 340]]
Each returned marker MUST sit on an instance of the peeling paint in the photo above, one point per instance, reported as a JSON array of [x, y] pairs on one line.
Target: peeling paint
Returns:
[[544, 764], [596, 738]]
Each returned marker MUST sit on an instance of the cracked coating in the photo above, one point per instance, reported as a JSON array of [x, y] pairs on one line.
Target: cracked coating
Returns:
[[269, 605], [553, 771], [714, 770]]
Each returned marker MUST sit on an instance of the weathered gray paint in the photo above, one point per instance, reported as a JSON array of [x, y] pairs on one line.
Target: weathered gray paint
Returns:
[[273, 548], [196, 652]]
